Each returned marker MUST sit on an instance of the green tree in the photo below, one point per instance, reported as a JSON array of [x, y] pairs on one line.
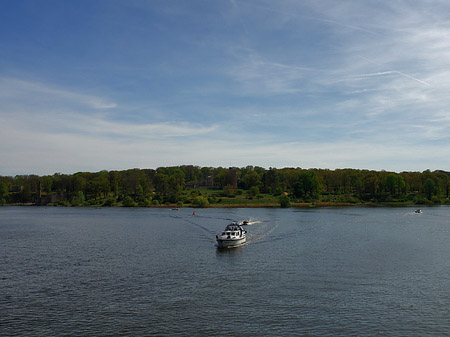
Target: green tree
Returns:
[[3, 193], [307, 185], [220, 176], [254, 191], [114, 182], [3, 190], [131, 179], [271, 180], [429, 188], [78, 199], [46, 184], [161, 182], [250, 180], [395, 183], [176, 182], [370, 181]]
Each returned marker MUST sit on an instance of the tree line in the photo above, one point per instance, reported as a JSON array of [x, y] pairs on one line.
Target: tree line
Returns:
[[169, 185]]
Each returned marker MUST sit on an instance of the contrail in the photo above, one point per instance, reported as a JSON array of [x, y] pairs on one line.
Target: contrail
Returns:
[[393, 71], [411, 77], [331, 22], [381, 73]]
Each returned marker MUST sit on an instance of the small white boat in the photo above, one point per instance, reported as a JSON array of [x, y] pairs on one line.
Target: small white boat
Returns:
[[233, 236], [418, 211]]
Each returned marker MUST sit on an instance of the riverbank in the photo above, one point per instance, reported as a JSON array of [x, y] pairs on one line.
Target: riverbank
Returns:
[[237, 205]]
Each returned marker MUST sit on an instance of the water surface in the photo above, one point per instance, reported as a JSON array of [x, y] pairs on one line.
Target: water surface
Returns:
[[315, 272]]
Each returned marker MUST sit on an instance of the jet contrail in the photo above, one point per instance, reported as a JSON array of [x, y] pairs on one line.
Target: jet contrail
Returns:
[[375, 74], [293, 14], [394, 71], [411, 77]]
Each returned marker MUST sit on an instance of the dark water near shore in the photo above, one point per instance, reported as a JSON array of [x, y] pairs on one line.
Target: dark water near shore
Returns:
[[156, 272]]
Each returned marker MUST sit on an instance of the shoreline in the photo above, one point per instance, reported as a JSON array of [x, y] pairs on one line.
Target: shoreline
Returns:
[[270, 205]]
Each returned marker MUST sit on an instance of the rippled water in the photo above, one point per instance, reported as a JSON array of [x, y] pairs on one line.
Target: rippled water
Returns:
[[319, 272]]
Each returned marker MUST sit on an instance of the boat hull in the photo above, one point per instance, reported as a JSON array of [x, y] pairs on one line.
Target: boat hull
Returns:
[[230, 243]]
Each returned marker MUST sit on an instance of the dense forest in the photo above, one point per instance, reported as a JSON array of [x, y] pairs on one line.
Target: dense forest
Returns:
[[207, 186]]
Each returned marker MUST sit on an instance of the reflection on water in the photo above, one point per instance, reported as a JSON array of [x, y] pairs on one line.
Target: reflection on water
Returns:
[[113, 271]]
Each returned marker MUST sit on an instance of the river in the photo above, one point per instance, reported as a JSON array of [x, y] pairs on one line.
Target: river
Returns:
[[349, 271]]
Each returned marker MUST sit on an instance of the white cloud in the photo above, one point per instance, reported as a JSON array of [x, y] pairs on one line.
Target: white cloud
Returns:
[[35, 92], [368, 81]]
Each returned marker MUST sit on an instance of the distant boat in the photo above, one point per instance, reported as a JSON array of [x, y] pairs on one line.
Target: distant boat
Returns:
[[418, 211], [233, 236], [175, 209]]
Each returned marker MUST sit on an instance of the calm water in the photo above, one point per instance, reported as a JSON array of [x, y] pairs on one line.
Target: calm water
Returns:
[[156, 272]]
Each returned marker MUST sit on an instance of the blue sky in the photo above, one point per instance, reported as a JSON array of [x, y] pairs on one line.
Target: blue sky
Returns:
[[89, 85]]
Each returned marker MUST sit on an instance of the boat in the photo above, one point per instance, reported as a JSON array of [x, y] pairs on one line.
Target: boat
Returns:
[[233, 236], [418, 211]]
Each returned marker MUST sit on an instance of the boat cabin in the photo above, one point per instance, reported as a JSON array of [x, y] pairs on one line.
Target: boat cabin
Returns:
[[231, 234], [233, 230]]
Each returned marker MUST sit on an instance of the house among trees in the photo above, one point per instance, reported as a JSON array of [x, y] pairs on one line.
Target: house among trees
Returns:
[[207, 180]]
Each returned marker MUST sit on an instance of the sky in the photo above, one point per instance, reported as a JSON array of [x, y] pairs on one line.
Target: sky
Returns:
[[93, 85]]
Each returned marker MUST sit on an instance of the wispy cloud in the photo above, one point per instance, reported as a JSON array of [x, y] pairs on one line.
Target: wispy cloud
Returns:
[[13, 88], [258, 76], [60, 113], [310, 83]]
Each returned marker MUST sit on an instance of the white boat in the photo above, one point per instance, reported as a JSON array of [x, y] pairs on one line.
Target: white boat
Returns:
[[233, 235], [418, 211]]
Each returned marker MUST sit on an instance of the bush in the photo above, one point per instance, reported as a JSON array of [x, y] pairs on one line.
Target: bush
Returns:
[[195, 193], [212, 199], [254, 191], [228, 191], [200, 202], [128, 202], [144, 202], [278, 191], [285, 202], [420, 200], [435, 200], [109, 202]]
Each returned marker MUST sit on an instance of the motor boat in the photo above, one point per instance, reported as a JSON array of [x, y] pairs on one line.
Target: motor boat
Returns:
[[233, 236], [418, 211]]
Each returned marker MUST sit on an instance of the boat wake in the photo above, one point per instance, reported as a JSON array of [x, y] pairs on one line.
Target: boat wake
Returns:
[[253, 222], [206, 233], [256, 234], [263, 232]]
